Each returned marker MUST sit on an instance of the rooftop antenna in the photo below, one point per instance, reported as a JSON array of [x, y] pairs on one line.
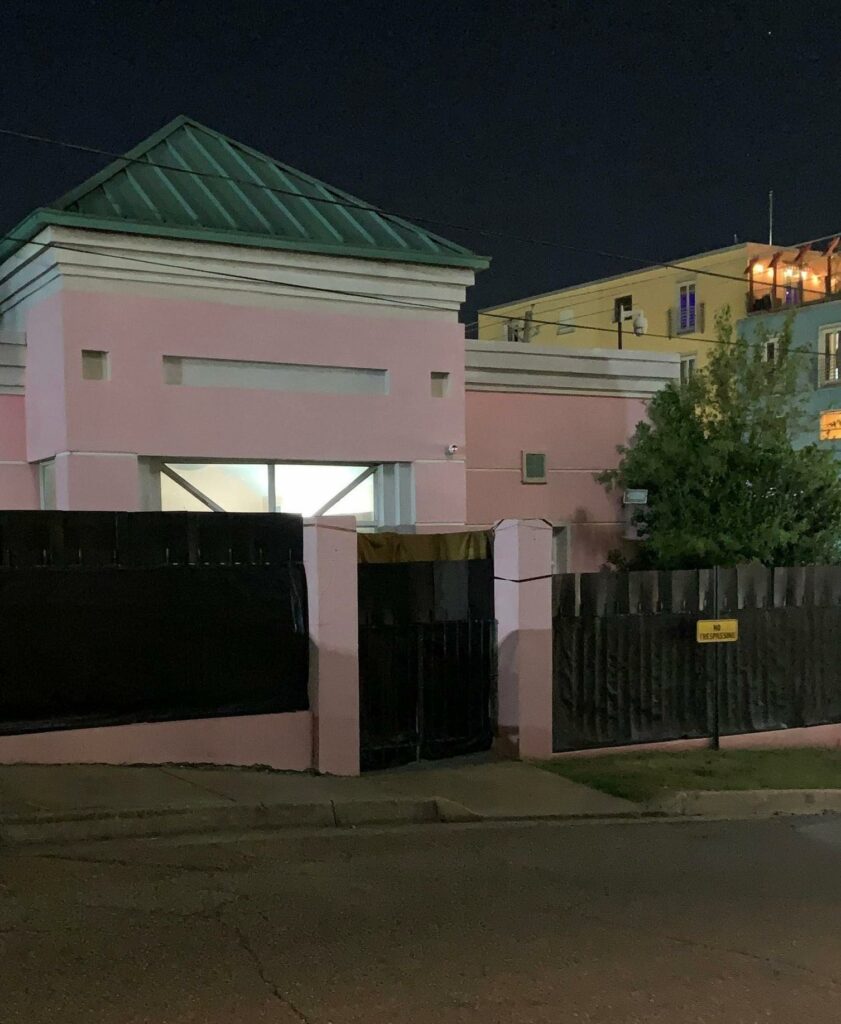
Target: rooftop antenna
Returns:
[[771, 217]]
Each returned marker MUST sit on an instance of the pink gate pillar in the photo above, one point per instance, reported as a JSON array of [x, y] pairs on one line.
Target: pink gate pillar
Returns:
[[331, 566], [523, 599]]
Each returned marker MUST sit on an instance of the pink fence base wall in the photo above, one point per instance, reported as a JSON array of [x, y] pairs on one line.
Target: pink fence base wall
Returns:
[[281, 741], [325, 739], [824, 736]]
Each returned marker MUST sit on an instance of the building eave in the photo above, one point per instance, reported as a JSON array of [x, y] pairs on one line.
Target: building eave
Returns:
[[43, 218]]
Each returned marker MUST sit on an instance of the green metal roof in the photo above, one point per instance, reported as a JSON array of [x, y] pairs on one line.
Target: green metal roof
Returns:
[[190, 182]]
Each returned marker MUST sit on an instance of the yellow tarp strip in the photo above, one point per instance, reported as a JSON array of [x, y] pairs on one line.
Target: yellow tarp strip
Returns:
[[423, 547]]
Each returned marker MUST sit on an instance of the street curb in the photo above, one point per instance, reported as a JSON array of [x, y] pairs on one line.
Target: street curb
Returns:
[[748, 803], [91, 826]]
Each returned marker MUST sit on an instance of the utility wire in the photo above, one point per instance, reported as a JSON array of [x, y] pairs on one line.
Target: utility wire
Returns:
[[403, 301], [368, 208], [568, 295]]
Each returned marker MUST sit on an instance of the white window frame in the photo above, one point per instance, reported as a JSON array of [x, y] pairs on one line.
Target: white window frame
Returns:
[[514, 331], [688, 328], [394, 488], [566, 321], [689, 360], [528, 478], [823, 362], [772, 339], [46, 486]]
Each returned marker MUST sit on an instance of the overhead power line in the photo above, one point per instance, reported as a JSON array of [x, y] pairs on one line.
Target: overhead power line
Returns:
[[369, 208], [402, 301]]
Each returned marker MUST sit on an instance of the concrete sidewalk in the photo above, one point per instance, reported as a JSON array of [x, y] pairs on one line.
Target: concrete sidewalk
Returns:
[[64, 803]]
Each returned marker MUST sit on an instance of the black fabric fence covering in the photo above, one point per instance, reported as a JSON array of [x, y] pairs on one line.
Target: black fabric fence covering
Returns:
[[148, 539], [103, 623], [628, 669]]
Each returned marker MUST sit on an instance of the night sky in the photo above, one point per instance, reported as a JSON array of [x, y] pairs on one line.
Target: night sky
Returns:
[[645, 128]]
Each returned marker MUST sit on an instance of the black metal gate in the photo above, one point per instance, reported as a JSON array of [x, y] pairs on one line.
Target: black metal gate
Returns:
[[427, 660]]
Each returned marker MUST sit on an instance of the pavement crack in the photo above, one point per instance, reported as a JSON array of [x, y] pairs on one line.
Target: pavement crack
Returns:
[[197, 785], [779, 964], [259, 966], [775, 963], [110, 861], [142, 864]]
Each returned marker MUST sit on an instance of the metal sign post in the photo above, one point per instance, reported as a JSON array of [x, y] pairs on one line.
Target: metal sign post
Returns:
[[716, 631]]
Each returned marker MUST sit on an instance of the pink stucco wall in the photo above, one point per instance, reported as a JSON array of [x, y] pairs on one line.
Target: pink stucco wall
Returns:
[[18, 480], [97, 482], [136, 412], [46, 403], [579, 434], [440, 492], [12, 428], [279, 741]]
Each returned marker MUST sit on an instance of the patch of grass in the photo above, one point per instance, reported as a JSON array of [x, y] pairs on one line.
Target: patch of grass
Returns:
[[646, 775]]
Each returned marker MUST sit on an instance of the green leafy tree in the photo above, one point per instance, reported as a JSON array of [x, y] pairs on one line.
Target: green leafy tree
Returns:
[[725, 483]]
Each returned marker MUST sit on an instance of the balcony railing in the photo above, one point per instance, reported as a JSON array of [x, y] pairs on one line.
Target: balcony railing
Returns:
[[788, 297], [793, 277], [689, 320]]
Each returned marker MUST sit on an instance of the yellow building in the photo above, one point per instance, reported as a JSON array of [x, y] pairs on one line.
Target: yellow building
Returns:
[[675, 304]]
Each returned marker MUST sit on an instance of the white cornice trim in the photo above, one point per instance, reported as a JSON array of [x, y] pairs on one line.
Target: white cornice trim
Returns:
[[503, 366], [102, 261]]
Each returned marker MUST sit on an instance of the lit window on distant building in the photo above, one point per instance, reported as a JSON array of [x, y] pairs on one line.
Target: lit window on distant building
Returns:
[[829, 357], [686, 320]]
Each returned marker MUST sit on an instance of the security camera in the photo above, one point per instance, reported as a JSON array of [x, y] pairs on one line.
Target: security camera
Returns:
[[640, 322], [452, 449]]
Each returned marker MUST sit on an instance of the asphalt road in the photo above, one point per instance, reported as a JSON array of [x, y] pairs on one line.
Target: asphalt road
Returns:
[[719, 922]]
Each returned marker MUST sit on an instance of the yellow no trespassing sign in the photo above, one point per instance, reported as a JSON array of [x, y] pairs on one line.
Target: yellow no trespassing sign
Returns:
[[717, 631], [830, 425]]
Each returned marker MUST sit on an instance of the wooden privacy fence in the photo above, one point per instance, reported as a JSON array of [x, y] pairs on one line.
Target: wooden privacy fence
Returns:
[[627, 667]]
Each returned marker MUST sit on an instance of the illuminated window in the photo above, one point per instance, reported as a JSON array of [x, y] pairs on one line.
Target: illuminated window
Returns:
[[686, 312], [829, 369], [305, 490], [830, 425]]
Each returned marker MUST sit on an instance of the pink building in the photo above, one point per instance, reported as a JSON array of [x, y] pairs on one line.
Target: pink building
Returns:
[[541, 423], [200, 327]]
